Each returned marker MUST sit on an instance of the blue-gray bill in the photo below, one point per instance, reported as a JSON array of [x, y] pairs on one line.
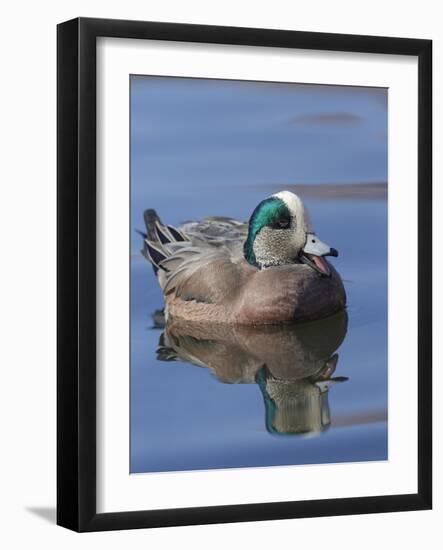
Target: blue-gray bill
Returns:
[[314, 252]]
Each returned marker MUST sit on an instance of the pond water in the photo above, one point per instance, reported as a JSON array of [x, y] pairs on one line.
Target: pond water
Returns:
[[269, 398]]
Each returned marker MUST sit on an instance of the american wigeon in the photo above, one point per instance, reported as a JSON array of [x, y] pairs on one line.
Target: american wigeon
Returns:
[[271, 270]]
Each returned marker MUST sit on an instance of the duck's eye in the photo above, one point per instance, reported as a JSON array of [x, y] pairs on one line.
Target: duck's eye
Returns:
[[282, 223]]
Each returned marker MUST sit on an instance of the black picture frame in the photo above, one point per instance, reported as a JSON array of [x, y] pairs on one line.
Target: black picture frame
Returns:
[[76, 280]]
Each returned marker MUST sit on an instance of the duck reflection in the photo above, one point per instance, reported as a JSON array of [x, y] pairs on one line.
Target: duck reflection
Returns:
[[293, 365]]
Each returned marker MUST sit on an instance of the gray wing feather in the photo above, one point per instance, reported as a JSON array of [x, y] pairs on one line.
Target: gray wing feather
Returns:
[[198, 278], [190, 268]]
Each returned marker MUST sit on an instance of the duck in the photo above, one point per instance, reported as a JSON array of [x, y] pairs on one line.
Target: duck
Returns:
[[271, 270]]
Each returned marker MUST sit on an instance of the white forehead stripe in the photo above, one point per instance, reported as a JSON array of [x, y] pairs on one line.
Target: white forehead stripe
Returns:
[[291, 200], [295, 206]]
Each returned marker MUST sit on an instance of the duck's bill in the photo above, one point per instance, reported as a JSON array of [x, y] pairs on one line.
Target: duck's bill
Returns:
[[317, 263], [314, 252]]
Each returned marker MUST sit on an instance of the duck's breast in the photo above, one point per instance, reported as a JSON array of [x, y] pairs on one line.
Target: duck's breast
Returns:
[[289, 294]]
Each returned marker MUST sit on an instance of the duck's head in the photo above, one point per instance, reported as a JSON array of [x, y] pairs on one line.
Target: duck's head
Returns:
[[280, 233]]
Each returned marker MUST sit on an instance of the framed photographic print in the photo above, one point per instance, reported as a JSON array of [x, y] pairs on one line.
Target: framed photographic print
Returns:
[[244, 274]]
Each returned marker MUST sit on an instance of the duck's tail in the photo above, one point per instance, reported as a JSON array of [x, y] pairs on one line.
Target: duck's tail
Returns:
[[157, 238]]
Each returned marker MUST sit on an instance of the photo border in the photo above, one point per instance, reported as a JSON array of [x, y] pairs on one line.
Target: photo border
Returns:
[[76, 283]]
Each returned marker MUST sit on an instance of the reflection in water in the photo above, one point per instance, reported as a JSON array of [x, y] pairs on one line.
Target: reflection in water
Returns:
[[293, 365]]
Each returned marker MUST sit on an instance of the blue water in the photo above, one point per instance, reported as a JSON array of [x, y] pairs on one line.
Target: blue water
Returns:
[[182, 416]]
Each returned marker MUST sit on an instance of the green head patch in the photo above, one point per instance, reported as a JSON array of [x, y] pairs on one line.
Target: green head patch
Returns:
[[271, 212]]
